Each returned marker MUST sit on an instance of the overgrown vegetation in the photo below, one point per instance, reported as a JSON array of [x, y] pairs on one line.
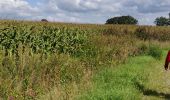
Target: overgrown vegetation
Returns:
[[37, 57]]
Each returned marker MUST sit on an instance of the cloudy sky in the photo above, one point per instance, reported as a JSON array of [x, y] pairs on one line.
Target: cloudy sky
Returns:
[[84, 11]]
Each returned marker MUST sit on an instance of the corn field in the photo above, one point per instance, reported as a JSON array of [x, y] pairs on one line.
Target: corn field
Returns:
[[42, 39]]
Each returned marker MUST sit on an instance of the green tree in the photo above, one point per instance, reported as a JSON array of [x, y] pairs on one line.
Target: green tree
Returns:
[[162, 21], [122, 20]]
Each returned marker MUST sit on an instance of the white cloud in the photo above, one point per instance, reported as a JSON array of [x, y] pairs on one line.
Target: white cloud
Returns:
[[16, 8], [86, 11]]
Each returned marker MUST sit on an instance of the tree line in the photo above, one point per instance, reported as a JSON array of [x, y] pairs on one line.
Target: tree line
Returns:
[[159, 21]]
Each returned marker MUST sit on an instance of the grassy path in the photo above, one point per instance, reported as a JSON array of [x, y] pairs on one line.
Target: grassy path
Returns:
[[158, 86], [141, 78]]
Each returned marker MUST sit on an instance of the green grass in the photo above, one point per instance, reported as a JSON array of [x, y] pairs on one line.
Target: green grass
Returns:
[[121, 83]]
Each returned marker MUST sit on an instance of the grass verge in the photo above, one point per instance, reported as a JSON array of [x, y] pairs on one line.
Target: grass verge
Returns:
[[122, 83]]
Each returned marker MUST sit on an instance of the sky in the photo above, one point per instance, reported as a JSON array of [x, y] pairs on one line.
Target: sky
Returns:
[[84, 11]]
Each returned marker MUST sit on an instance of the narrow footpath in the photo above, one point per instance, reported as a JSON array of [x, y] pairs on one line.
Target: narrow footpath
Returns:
[[158, 86]]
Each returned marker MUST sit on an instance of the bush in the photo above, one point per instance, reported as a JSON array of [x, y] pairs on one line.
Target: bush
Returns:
[[155, 51], [150, 49]]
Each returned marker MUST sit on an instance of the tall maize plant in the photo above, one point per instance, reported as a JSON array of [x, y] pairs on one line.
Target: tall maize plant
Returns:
[[42, 39]]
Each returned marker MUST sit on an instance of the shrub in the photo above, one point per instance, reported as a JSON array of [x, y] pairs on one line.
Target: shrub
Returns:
[[155, 51]]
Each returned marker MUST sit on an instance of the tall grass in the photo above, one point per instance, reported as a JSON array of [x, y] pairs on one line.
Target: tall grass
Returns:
[[37, 57]]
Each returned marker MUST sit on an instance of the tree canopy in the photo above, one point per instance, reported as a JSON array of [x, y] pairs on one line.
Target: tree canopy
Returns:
[[162, 21], [122, 20]]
